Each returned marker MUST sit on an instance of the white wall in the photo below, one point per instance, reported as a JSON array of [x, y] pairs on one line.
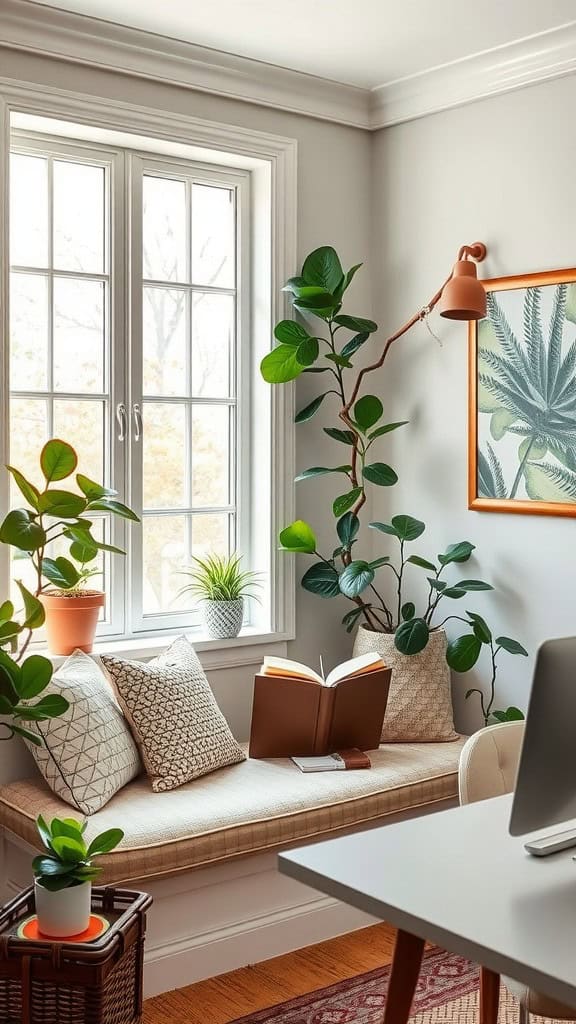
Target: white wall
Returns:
[[501, 171]]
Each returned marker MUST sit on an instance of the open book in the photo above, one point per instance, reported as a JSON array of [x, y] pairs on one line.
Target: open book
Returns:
[[371, 662], [297, 713]]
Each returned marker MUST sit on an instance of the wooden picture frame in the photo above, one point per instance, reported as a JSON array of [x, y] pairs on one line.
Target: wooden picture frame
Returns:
[[522, 397]]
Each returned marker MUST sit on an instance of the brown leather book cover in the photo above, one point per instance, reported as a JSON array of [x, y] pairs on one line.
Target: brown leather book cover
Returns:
[[301, 718]]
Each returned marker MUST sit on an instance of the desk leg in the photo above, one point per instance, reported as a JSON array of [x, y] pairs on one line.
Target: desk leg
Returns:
[[489, 996], [408, 954]]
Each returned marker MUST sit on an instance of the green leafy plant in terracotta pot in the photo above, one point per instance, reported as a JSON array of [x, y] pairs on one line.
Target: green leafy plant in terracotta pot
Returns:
[[221, 585], [55, 514], [64, 873], [325, 343]]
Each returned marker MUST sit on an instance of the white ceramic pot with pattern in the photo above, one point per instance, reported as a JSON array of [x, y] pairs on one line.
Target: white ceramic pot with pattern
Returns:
[[223, 619]]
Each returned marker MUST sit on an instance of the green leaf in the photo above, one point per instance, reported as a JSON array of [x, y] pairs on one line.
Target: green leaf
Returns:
[[80, 532], [115, 507], [51, 706], [480, 627], [411, 636], [82, 553], [453, 592], [422, 563], [323, 268], [43, 865], [280, 365], [8, 690], [345, 436], [33, 608], [351, 618], [290, 332], [9, 630], [317, 300], [463, 652], [57, 460], [105, 842], [384, 528], [56, 883], [298, 537], [21, 531], [61, 504], [459, 552], [43, 831], [69, 850], [367, 411], [347, 528], [307, 352], [320, 471], [29, 491], [6, 611], [381, 474], [32, 737], [511, 714], [376, 563], [10, 667], [35, 674], [339, 360], [60, 572], [472, 585], [356, 577], [294, 284], [346, 501], [407, 528], [356, 323], [512, 646], [68, 827], [93, 490], [386, 429], [408, 611], [321, 579], [354, 344], [348, 276], [308, 411]]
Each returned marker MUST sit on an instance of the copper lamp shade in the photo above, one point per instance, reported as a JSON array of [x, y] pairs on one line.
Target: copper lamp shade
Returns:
[[464, 297]]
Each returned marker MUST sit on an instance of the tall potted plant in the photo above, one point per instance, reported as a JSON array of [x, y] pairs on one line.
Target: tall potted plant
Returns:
[[53, 514], [327, 348]]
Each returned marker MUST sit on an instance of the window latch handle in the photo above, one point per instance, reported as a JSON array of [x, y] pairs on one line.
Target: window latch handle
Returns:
[[138, 424], [122, 421]]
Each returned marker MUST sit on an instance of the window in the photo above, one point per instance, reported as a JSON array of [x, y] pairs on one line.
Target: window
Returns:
[[130, 336]]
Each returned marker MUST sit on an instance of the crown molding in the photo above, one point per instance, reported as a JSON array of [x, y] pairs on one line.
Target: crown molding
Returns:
[[529, 61], [52, 32], [35, 28]]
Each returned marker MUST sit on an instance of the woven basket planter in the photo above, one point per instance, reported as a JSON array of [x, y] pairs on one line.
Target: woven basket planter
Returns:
[[419, 708], [223, 619]]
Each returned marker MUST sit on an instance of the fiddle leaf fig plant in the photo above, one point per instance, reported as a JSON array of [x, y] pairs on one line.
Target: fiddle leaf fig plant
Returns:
[[325, 343]]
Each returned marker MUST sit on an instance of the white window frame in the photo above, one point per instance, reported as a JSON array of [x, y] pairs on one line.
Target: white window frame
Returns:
[[271, 163]]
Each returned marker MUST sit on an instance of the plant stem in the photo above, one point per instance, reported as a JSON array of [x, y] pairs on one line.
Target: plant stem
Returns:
[[493, 652], [523, 462], [399, 588]]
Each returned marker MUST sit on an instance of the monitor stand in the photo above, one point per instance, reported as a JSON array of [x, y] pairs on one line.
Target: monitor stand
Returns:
[[552, 844]]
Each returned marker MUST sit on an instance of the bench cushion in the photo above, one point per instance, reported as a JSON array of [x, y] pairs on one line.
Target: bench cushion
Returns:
[[245, 808]]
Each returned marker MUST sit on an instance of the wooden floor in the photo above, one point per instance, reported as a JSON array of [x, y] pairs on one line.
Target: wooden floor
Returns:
[[223, 999]]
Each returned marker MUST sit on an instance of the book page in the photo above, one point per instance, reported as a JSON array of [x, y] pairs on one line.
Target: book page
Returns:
[[286, 667], [370, 662]]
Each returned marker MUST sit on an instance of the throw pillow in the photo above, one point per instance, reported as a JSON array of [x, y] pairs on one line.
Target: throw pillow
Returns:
[[177, 724], [88, 753]]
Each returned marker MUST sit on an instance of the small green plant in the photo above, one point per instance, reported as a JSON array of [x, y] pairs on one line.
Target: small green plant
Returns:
[[220, 578], [69, 861]]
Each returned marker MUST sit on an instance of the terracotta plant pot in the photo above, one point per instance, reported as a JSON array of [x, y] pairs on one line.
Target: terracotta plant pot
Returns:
[[63, 913], [71, 620]]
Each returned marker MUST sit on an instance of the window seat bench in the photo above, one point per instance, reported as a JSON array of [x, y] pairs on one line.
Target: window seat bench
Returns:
[[206, 851]]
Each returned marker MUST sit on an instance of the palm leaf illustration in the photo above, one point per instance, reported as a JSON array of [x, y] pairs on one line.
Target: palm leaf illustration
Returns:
[[491, 482], [536, 386]]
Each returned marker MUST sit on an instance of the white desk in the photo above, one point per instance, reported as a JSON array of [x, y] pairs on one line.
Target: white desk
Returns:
[[456, 878]]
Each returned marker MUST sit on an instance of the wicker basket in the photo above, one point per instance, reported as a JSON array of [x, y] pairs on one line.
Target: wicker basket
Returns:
[[55, 982]]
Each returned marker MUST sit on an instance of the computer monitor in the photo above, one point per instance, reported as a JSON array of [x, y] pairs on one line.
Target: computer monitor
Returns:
[[546, 785]]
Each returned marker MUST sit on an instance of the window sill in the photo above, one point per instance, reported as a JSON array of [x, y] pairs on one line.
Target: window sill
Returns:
[[247, 649]]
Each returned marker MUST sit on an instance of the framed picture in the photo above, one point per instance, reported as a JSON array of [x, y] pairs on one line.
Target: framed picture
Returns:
[[522, 396]]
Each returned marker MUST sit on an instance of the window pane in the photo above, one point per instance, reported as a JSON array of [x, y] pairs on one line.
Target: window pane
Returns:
[[210, 454], [28, 434], [28, 210], [164, 229], [211, 535], [28, 332], [213, 230], [78, 335], [81, 423], [164, 455], [79, 233], [166, 552], [212, 336], [165, 356]]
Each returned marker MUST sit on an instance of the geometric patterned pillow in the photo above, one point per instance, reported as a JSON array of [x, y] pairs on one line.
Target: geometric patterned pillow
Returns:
[[173, 714], [88, 753]]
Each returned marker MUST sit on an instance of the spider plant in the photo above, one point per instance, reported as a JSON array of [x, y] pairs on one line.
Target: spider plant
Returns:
[[220, 578], [529, 387]]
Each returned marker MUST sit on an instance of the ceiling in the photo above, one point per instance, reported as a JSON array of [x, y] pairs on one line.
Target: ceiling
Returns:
[[366, 43]]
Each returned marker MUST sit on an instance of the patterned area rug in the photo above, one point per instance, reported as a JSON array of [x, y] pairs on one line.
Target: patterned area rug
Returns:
[[447, 993]]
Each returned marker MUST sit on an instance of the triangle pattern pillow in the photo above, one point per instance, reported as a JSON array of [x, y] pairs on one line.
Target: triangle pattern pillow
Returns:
[[173, 714], [88, 753]]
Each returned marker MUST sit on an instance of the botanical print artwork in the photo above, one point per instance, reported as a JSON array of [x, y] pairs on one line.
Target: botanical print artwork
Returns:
[[525, 391]]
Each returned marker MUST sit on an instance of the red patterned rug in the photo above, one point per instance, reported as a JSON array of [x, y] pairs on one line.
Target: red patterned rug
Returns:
[[446, 994]]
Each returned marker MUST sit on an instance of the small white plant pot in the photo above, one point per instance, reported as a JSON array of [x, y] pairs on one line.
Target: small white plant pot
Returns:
[[223, 619], [63, 913]]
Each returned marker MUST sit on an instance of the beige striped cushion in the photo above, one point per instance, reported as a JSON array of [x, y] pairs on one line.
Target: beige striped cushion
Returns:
[[246, 808]]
